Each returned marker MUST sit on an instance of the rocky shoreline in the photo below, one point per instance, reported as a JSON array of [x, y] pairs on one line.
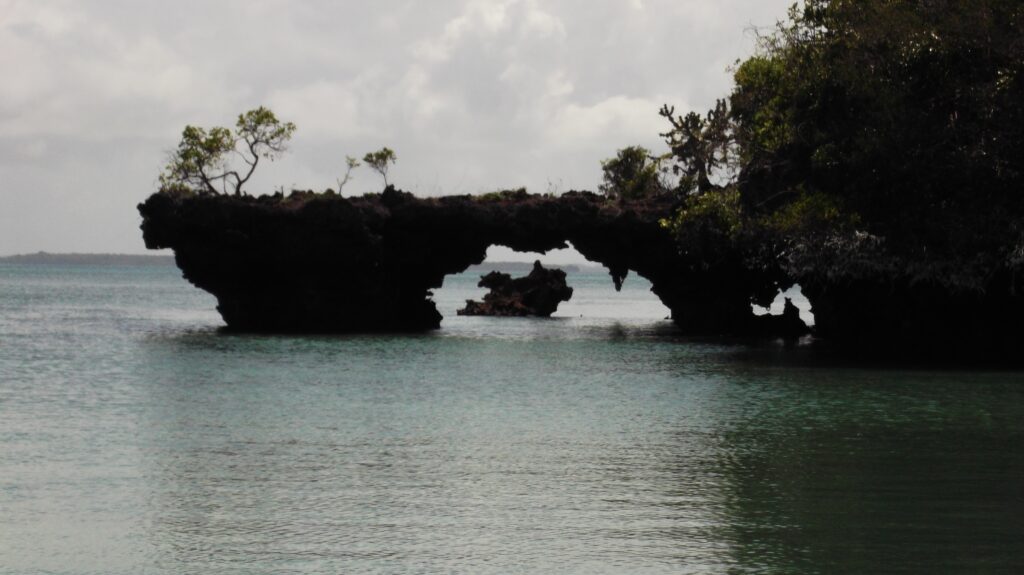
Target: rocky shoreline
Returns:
[[323, 263]]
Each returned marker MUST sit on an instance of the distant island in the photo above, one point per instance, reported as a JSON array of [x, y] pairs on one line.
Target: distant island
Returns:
[[519, 267], [76, 259], [89, 259]]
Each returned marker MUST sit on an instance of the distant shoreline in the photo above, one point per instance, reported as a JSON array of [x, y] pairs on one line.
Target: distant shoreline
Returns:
[[44, 258], [525, 267]]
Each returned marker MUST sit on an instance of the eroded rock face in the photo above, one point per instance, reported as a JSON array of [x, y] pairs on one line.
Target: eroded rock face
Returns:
[[537, 294], [326, 263], [331, 264]]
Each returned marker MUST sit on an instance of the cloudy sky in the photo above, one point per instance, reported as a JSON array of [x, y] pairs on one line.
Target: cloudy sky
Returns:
[[473, 95]]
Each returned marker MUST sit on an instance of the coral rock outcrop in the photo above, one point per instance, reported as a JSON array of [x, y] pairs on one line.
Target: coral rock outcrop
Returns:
[[321, 262], [537, 294]]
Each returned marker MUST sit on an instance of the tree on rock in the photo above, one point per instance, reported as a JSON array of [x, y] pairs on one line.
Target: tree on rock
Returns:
[[201, 163], [703, 147], [381, 161], [632, 174], [350, 164]]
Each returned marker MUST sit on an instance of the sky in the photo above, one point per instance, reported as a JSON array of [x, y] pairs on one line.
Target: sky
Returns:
[[473, 95]]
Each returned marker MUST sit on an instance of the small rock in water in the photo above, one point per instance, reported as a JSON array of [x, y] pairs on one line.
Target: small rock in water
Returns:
[[537, 294]]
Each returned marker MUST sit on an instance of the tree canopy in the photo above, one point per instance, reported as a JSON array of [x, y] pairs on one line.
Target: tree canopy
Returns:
[[202, 161], [906, 115], [632, 174], [703, 148], [381, 161], [899, 119]]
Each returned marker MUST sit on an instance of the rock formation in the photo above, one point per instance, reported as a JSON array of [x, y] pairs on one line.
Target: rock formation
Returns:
[[321, 262], [537, 294], [786, 325]]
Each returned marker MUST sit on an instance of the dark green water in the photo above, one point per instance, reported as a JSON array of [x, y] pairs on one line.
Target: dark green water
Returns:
[[136, 438]]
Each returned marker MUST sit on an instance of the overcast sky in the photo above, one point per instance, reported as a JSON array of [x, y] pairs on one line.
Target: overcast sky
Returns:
[[473, 95]]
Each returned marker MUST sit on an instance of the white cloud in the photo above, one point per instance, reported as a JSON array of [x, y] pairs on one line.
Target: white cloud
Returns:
[[479, 17], [473, 94], [51, 20], [72, 74], [539, 23], [323, 109], [619, 121], [487, 21]]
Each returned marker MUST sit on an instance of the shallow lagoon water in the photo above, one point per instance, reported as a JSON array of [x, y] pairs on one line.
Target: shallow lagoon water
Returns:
[[136, 437]]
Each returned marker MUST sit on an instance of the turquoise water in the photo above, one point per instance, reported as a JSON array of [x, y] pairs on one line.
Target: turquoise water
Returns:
[[137, 438]]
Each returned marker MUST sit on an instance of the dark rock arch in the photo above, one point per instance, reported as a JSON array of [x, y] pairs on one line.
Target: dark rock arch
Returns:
[[325, 263]]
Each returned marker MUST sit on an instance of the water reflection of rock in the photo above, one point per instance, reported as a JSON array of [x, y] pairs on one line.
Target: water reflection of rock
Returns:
[[856, 476]]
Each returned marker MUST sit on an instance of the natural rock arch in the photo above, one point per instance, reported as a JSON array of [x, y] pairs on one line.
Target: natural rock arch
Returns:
[[326, 263]]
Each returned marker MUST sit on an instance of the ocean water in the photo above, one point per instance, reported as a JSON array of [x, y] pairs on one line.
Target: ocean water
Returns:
[[135, 437]]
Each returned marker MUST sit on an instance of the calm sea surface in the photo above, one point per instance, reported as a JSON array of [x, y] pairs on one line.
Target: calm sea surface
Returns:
[[137, 438]]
